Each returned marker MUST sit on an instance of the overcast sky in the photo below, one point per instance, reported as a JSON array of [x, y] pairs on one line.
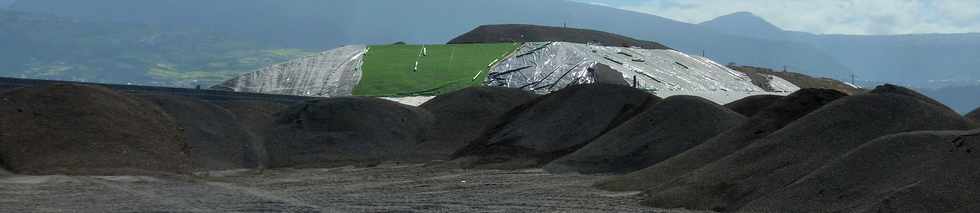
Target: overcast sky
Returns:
[[826, 16]]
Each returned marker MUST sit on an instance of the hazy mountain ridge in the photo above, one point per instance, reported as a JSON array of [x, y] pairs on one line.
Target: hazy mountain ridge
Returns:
[[314, 24], [916, 59], [50, 47]]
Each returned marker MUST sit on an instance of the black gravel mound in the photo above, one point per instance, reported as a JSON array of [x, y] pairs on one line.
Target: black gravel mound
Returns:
[[256, 117], [769, 120], [803, 146], [462, 115], [345, 131], [534, 33], [931, 171], [217, 140], [672, 126], [751, 105], [607, 75], [974, 116], [87, 130], [554, 125]]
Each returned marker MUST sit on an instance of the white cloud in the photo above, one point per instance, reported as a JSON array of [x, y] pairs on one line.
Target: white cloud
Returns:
[[829, 16]]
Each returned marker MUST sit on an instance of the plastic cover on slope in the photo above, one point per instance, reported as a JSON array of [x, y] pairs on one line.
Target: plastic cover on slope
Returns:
[[329, 74], [544, 67]]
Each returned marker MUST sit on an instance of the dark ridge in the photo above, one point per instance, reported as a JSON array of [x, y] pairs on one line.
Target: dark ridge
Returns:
[[535, 33], [65, 129], [932, 171], [554, 125], [462, 115], [769, 120], [759, 78], [217, 140], [801, 147], [751, 105], [671, 127], [203, 94], [345, 131]]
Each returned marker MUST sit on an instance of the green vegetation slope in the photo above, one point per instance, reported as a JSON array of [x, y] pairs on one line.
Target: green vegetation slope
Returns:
[[390, 70]]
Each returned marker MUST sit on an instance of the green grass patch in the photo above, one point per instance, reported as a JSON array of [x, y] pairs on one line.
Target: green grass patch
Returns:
[[389, 69]]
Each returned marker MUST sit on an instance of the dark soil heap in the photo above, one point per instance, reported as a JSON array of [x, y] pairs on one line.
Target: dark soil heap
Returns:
[[671, 127], [974, 116], [256, 117], [803, 146], [759, 78], [769, 120], [217, 140], [533, 33], [87, 130], [554, 125], [462, 115], [932, 171], [751, 105], [345, 131]]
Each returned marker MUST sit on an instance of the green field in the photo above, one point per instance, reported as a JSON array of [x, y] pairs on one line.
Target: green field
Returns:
[[389, 69]]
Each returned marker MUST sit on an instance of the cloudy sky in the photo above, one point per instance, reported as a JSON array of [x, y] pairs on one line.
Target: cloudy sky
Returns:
[[826, 16]]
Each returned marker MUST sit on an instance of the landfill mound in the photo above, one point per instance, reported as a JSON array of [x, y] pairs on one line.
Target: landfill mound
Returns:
[[769, 120], [461, 116], [217, 140], [751, 105], [544, 67], [535, 33], [328, 74], [87, 130], [344, 131], [801, 147], [974, 116], [932, 171], [671, 127], [554, 125]]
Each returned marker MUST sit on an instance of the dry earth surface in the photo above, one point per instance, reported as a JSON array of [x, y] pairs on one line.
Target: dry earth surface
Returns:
[[385, 188]]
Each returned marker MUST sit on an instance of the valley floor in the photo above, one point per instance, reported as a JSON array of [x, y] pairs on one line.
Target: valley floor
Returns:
[[385, 188]]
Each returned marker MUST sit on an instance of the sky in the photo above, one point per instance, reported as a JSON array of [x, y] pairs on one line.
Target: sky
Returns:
[[866, 17]]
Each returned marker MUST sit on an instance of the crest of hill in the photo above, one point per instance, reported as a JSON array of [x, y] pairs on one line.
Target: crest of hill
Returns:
[[668, 128], [930, 171], [462, 115], [535, 133], [759, 78], [769, 120], [751, 105], [536, 33], [66, 129], [802, 147]]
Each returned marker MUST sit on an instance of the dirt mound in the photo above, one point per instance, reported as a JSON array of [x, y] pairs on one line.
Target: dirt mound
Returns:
[[534, 33], [256, 117], [462, 115], [87, 130], [974, 116], [671, 127], [751, 105], [217, 140], [803, 146], [908, 172], [551, 126], [345, 131], [758, 76], [769, 120]]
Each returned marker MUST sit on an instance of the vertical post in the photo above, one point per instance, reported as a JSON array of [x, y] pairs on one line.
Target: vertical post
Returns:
[[635, 85]]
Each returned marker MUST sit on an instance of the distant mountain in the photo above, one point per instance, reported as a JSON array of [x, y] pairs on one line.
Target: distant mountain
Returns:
[[55, 48], [919, 60], [325, 24]]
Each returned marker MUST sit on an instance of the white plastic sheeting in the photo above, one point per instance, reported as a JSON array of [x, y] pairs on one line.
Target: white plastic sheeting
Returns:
[[781, 85], [549, 66], [328, 74]]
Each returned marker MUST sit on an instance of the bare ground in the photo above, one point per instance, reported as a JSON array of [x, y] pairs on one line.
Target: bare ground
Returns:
[[385, 188]]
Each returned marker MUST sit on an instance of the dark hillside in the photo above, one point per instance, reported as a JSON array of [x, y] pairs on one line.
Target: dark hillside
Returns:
[[535, 33]]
